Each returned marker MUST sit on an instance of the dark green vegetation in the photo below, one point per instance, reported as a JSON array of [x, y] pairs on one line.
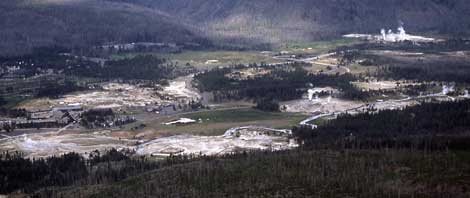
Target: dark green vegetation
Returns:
[[232, 23], [28, 175], [48, 72], [322, 174], [442, 61], [16, 89], [103, 118], [82, 24], [140, 67], [267, 104], [12, 113], [427, 126], [53, 60], [279, 84], [95, 117], [43, 59]]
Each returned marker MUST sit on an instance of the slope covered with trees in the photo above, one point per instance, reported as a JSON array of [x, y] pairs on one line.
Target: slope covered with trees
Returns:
[[28, 24], [277, 21], [33, 23]]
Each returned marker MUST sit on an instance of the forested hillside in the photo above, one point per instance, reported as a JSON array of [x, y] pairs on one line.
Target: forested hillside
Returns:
[[300, 20], [26, 24], [30, 23]]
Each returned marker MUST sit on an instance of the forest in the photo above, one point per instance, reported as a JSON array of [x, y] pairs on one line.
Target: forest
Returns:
[[298, 173], [428, 126], [433, 63], [28, 175], [96, 117], [141, 67], [279, 84], [449, 45]]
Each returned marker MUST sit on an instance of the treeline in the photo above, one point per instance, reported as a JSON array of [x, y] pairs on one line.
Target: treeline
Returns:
[[144, 67], [55, 90], [18, 173], [447, 72], [47, 60], [13, 113], [439, 67], [452, 44], [427, 126], [43, 59], [103, 118], [96, 117], [279, 84], [24, 175], [295, 174]]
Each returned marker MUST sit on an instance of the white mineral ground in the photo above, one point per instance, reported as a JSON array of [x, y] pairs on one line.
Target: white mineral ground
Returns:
[[115, 95], [242, 138], [235, 139], [325, 107], [44, 145], [181, 88]]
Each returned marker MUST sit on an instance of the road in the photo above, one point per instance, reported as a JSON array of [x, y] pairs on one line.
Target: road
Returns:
[[314, 60], [307, 121]]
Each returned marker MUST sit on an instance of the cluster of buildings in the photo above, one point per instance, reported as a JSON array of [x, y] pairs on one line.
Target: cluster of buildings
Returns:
[[43, 118], [139, 46]]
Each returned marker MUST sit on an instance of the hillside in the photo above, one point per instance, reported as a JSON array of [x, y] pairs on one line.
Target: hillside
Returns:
[[31, 23], [285, 20], [27, 24], [325, 174]]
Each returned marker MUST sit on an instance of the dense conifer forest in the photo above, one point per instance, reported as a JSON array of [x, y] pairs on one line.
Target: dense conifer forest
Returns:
[[144, 67], [279, 84], [427, 126]]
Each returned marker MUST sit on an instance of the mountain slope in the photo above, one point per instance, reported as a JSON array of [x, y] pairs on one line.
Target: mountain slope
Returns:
[[83, 23], [31, 23], [284, 20]]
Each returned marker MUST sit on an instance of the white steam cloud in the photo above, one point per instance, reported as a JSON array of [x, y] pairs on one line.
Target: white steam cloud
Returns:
[[391, 36]]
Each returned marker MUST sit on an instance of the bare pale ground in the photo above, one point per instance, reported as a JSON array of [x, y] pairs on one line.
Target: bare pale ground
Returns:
[[322, 105], [244, 74], [182, 88], [49, 144], [154, 141], [240, 138], [120, 95], [381, 85], [113, 95]]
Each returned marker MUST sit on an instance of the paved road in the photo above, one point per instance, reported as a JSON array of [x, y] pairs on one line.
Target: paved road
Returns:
[[314, 60]]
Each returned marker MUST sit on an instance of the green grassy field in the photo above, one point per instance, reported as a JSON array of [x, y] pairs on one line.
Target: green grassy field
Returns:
[[359, 69], [317, 47], [216, 122], [12, 101], [224, 58], [199, 58]]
